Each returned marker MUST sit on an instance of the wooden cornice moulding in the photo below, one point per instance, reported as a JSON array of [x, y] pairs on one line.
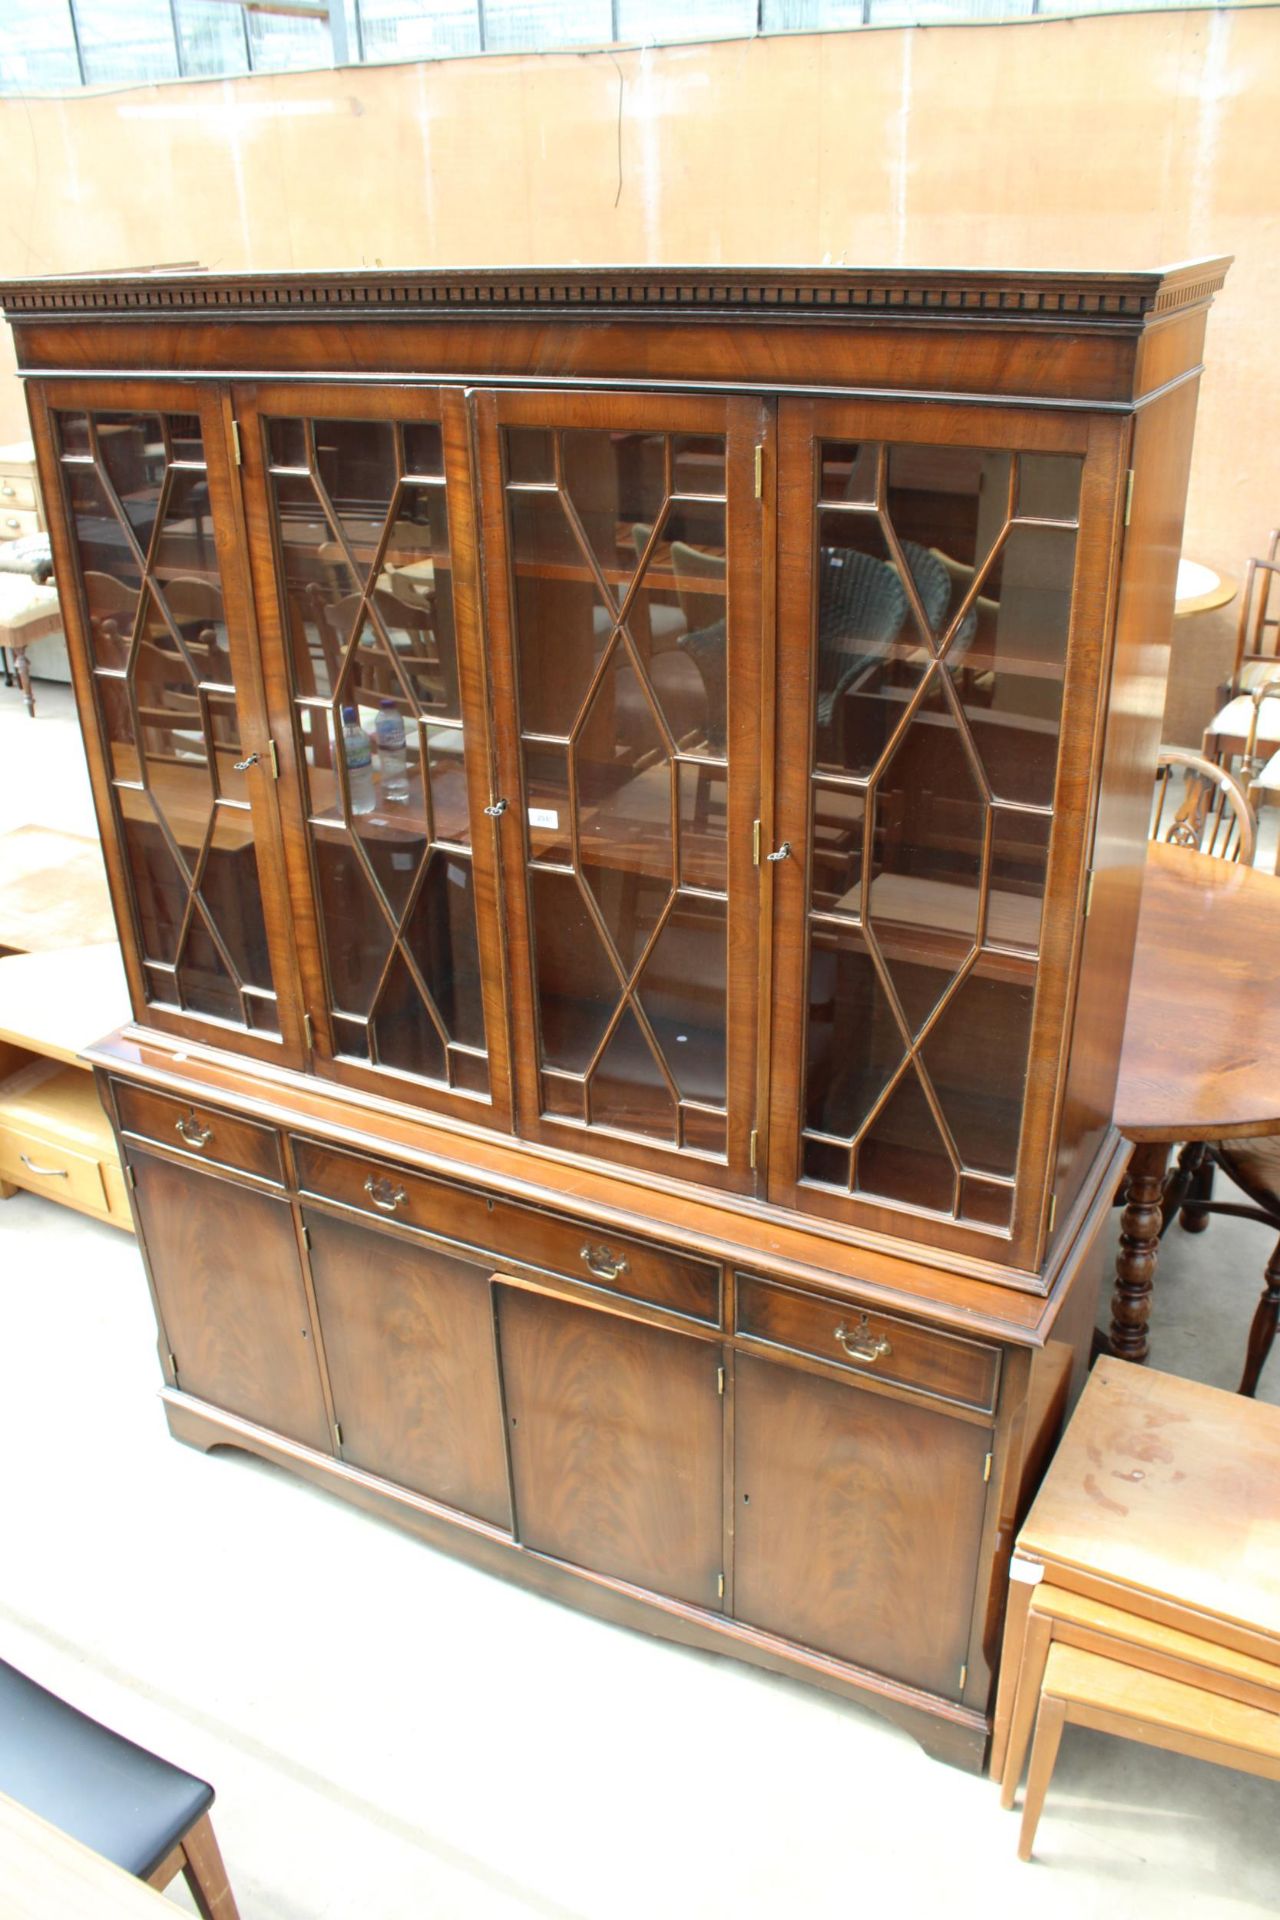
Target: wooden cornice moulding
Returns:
[[1127, 300]]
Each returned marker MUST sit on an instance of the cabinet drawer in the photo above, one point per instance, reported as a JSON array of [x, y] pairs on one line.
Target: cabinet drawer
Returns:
[[208, 1131], [16, 492], [500, 1229], [932, 1362], [52, 1168], [14, 521]]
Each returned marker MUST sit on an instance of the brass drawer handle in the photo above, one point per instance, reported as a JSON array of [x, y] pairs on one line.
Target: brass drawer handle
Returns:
[[46, 1173], [190, 1130], [604, 1263], [384, 1194], [862, 1344]]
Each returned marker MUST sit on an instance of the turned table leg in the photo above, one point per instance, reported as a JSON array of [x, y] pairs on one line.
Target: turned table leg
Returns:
[[1140, 1225], [24, 679]]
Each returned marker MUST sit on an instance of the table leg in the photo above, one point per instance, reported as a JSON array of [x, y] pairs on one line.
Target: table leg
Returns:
[[1140, 1225], [24, 679]]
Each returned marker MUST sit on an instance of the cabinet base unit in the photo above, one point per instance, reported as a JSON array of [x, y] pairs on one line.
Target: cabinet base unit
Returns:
[[624, 794]]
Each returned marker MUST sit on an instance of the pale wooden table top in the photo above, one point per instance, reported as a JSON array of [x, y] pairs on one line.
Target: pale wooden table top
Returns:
[[1201, 1056], [46, 1875], [1170, 1488], [53, 891], [56, 1004]]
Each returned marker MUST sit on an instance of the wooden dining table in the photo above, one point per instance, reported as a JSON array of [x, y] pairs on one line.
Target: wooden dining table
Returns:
[[1201, 1055]]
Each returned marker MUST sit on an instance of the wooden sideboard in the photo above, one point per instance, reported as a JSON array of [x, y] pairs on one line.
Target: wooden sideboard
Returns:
[[649, 1132]]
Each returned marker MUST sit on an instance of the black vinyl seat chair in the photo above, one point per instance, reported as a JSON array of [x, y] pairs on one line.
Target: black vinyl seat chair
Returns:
[[141, 1812]]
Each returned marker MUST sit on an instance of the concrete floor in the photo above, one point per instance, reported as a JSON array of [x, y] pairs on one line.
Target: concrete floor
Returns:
[[393, 1736]]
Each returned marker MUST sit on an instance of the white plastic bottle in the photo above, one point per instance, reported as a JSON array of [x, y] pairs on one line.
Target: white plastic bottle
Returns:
[[359, 759], [393, 761]]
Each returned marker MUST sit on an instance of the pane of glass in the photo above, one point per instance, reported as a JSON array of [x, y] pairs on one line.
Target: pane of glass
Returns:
[[447, 774], [1019, 860], [230, 892], [37, 47], [117, 725], [186, 437], [1049, 486], [948, 504], [350, 1037], [159, 887], [1009, 673], [977, 1059], [616, 486], [562, 624], [321, 591], [281, 44], [825, 1162], [853, 1043], [839, 817], [414, 601], [356, 936], [110, 575], [926, 895], [204, 980], [211, 36], [704, 1132], [683, 989], [423, 448], [847, 471], [132, 451], [577, 987], [286, 443], [263, 1015], [650, 20], [224, 731], [682, 600], [126, 45], [72, 430], [902, 1157], [185, 568], [704, 822], [513, 25], [441, 936], [870, 657], [546, 786], [404, 30], [563, 1097], [356, 463], [530, 454], [404, 1033], [697, 463], [624, 806], [469, 1072], [628, 1090], [985, 1204]]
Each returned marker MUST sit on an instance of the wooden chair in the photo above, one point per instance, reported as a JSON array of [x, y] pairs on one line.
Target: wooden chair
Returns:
[[143, 1813], [1213, 815], [1086, 1690], [1242, 725]]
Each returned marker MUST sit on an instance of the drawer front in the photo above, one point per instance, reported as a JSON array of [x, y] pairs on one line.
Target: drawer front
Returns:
[[500, 1229], [44, 1166], [964, 1372], [14, 521], [208, 1131], [15, 492]]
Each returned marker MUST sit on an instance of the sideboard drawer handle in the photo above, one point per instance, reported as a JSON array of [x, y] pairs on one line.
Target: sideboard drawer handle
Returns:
[[862, 1344], [8, 491], [192, 1132], [46, 1173], [384, 1194], [604, 1263]]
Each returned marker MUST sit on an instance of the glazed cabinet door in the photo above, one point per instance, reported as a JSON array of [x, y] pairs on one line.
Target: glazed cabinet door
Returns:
[[360, 516], [615, 1435], [943, 598], [148, 550], [857, 1522], [409, 1345], [623, 542], [230, 1297]]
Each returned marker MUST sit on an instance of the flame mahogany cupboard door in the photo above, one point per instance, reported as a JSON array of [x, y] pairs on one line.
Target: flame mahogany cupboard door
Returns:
[[624, 548], [145, 521], [857, 1522], [943, 582], [229, 1292], [409, 1344], [615, 1433], [359, 501]]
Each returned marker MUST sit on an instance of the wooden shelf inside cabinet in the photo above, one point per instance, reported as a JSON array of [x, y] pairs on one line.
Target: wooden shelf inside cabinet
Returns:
[[55, 1138]]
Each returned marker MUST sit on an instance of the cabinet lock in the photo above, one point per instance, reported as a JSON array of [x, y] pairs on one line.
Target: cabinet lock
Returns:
[[783, 853], [496, 811]]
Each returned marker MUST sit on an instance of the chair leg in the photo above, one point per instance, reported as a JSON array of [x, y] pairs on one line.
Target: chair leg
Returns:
[[1193, 1218], [1263, 1330], [1049, 1724], [1035, 1652], [204, 1873]]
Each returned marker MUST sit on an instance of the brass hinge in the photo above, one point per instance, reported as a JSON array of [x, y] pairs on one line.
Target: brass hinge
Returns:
[[720, 1586], [753, 1147], [760, 470], [755, 843], [306, 1241], [173, 1365], [235, 440], [986, 1468], [964, 1675], [1053, 1210], [337, 1431], [1128, 496], [720, 1380], [310, 1032], [1088, 892], [130, 1175], [275, 759]]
